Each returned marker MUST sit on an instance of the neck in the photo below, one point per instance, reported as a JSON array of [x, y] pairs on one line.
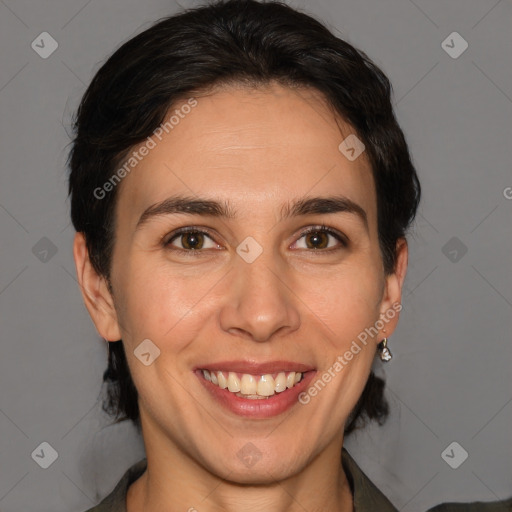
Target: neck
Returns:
[[175, 481]]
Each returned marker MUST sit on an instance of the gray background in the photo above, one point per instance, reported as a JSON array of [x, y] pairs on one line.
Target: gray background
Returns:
[[450, 376]]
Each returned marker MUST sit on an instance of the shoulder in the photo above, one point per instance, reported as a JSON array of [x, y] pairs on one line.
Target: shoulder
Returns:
[[368, 498], [116, 500], [366, 495], [476, 506]]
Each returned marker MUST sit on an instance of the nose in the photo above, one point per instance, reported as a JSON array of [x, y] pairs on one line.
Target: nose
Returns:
[[259, 302]]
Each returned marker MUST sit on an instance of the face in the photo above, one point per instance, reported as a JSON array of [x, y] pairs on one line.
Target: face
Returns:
[[279, 272]]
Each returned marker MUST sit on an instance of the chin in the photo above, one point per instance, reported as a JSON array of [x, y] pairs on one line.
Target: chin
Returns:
[[253, 468]]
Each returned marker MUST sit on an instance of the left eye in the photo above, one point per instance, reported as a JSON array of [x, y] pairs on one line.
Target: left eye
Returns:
[[318, 238]]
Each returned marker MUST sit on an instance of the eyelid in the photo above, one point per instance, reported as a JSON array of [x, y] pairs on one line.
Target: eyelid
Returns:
[[322, 228], [338, 235], [169, 237]]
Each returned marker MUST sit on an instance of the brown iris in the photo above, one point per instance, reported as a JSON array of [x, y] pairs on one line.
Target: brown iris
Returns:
[[317, 240], [192, 240]]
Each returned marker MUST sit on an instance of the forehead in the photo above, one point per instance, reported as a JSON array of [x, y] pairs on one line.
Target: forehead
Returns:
[[253, 147]]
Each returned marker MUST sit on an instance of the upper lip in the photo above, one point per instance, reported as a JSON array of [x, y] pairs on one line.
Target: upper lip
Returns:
[[255, 368]]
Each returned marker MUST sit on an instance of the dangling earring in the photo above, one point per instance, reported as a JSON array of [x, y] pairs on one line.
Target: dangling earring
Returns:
[[384, 353]]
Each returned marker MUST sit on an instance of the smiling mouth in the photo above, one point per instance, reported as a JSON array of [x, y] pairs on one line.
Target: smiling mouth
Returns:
[[254, 387]]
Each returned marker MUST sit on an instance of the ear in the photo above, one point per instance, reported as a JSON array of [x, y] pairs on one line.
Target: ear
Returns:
[[391, 300], [95, 292]]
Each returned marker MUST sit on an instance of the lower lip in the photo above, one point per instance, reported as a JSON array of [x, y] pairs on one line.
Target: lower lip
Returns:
[[258, 407]]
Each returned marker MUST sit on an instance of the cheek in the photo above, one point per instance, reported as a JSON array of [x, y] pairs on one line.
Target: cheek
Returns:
[[346, 302], [162, 303], [157, 302]]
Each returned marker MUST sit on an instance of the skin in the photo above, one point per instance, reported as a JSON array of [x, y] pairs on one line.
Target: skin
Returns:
[[258, 149]]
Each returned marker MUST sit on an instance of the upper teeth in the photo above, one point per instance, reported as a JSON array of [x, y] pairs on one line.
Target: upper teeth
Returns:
[[262, 385]]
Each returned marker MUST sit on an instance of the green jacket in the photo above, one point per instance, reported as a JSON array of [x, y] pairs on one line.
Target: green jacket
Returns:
[[367, 498]]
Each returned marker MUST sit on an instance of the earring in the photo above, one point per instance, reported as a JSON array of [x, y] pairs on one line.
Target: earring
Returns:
[[385, 354]]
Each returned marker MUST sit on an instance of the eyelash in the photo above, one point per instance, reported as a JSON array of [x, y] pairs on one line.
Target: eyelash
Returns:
[[198, 252]]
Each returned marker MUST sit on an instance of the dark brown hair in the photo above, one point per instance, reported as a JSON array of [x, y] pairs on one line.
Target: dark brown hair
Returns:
[[230, 42]]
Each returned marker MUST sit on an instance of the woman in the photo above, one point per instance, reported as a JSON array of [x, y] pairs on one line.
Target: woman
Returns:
[[241, 193]]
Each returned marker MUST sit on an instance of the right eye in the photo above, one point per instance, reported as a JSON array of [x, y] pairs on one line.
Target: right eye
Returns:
[[191, 240]]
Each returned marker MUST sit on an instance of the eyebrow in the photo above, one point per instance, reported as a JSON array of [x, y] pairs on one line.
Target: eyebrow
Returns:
[[210, 208]]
